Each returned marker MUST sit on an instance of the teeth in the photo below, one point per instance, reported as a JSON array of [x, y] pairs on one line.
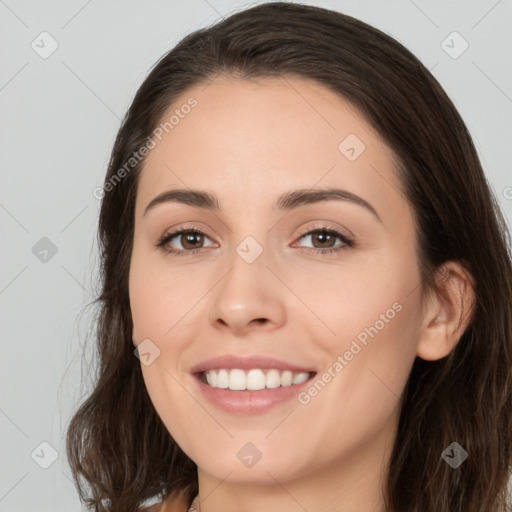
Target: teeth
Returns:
[[299, 378], [272, 379], [222, 379], [253, 380], [237, 380]]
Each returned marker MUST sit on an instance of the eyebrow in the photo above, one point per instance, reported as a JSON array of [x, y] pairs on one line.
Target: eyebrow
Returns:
[[287, 201]]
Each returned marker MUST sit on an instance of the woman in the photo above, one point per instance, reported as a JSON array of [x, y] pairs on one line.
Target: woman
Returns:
[[367, 371]]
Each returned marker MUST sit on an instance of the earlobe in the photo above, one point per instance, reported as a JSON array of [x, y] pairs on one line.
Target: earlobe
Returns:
[[449, 311]]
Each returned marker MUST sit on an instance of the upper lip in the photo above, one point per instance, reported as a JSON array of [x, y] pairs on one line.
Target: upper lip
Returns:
[[246, 362]]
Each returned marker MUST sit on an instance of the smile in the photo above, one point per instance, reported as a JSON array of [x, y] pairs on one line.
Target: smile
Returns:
[[239, 397], [254, 379]]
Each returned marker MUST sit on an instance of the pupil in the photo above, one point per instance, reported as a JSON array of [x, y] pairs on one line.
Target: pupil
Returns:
[[190, 238], [323, 235]]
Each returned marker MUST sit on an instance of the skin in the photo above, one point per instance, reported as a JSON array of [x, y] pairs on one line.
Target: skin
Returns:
[[249, 142]]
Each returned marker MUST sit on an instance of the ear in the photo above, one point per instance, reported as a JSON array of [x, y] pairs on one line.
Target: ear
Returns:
[[448, 311]]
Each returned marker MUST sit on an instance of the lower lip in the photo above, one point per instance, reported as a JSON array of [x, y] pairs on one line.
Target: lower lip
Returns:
[[250, 402]]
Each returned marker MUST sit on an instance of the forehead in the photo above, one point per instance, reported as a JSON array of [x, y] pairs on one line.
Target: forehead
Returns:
[[267, 136]]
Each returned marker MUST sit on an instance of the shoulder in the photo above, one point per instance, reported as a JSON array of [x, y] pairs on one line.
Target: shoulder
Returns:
[[176, 502], [153, 508]]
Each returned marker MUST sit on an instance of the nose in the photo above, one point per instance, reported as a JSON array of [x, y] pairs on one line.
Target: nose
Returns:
[[249, 297]]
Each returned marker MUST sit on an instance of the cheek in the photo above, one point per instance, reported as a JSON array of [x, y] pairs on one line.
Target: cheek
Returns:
[[162, 309], [159, 300], [363, 301], [372, 359], [159, 313], [373, 316], [357, 394]]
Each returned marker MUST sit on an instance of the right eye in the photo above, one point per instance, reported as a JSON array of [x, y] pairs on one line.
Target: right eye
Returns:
[[187, 237]]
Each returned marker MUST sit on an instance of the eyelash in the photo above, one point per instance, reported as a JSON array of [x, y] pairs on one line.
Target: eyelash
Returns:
[[349, 242]]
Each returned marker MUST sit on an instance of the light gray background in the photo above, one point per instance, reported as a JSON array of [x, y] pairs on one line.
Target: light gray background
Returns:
[[59, 117]]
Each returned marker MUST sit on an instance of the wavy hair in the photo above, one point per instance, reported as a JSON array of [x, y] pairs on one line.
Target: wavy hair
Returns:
[[119, 450]]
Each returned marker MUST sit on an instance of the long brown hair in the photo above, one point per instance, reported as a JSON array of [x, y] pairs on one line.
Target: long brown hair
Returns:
[[119, 450]]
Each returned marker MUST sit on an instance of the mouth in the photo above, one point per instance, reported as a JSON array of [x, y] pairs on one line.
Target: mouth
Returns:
[[249, 384], [250, 392], [255, 379]]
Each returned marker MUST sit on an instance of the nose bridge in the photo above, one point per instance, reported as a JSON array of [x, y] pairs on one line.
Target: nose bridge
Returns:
[[250, 237], [245, 293], [247, 264], [250, 249]]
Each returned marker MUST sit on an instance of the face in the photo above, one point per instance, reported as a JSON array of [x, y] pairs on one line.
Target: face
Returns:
[[326, 285]]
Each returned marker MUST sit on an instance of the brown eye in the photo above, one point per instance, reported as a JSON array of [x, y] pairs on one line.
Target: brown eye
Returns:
[[324, 239], [191, 241]]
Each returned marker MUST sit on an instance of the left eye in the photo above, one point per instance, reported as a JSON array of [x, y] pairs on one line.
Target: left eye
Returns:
[[323, 236]]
